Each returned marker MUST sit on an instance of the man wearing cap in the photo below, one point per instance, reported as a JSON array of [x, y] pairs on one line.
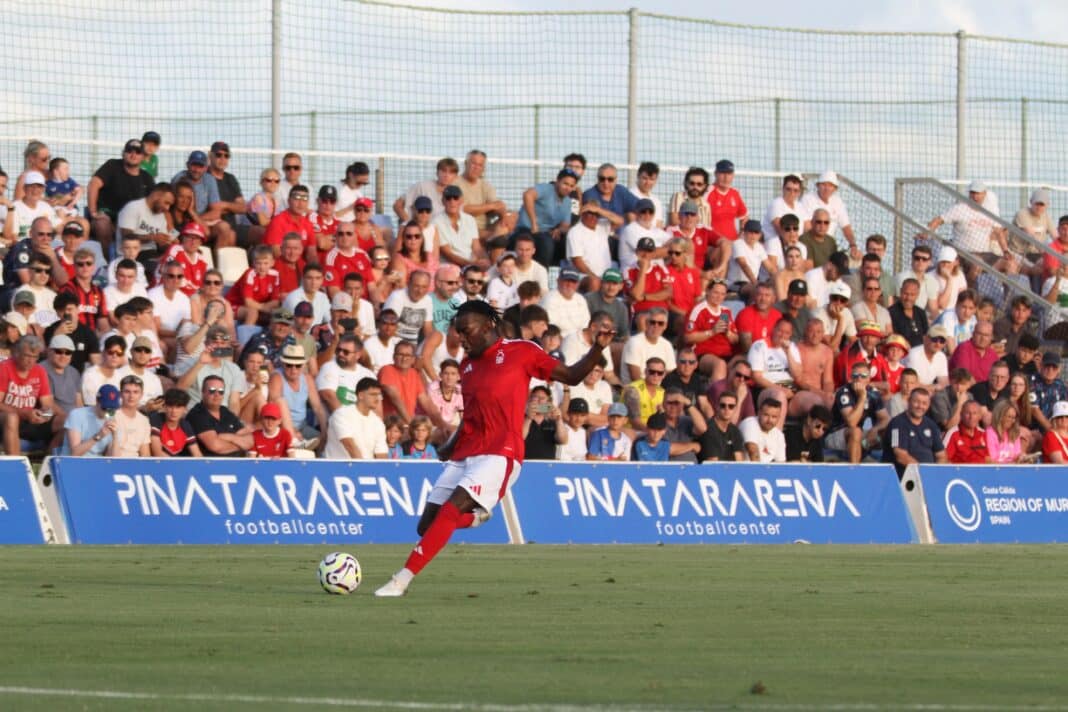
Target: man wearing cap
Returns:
[[727, 210], [700, 237], [231, 201], [864, 349], [573, 448], [838, 323], [116, 183], [324, 219], [546, 215], [972, 230], [794, 308], [295, 387], [976, 354], [146, 218], [647, 281], [788, 203], [652, 446], [293, 219], [208, 204], [89, 429], [747, 259], [608, 299], [446, 172], [150, 143], [74, 237], [566, 307], [820, 279], [63, 379], [481, 201], [617, 203], [1048, 389], [643, 225], [611, 442], [587, 245], [458, 232], [270, 341], [929, 361], [826, 197], [26, 400], [31, 206]]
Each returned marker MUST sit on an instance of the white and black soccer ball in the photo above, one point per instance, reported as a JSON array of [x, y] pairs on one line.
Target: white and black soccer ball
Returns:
[[340, 573]]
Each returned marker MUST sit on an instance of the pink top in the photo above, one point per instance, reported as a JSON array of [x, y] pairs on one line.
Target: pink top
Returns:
[[431, 264], [1002, 450]]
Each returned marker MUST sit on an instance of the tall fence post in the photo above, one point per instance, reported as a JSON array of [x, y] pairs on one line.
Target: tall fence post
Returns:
[[632, 88], [962, 78], [313, 140], [276, 76], [94, 150], [778, 134], [537, 143], [380, 185], [899, 226], [1023, 149]]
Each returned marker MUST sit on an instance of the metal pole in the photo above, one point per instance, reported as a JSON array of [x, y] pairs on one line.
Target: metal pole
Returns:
[[276, 76], [962, 76], [537, 142], [380, 185], [313, 131], [94, 152], [1023, 150], [778, 134], [899, 227], [632, 88]]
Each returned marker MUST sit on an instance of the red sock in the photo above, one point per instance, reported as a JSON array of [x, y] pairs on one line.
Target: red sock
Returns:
[[444, 524], [465, 520]]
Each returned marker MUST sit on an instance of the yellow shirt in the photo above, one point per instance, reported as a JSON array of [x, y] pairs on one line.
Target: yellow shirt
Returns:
[[649, 401]]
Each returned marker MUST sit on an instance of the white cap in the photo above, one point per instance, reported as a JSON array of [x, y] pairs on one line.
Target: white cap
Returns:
[[828, 177], [342, 302], [18, 321], [977, 186], [61, 341], [33, 178], [1040, 195], [1060, 409], [947, 254], [839, 289]]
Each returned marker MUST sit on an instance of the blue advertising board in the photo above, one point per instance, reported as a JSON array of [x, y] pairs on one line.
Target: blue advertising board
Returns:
[[711, 503], [221, 501], [20, 521], [977, 503]]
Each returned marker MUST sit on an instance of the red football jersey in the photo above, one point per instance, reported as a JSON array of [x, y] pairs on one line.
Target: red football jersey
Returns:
[[262, 288], [685, 287], [289, 276], [654, 282], [725, 209], [272, 447], [702, 240], [337, 264], [91, 304], [495, 387], [322, 225], [195, 268], [286, 222], [703, 319], [751, 321]]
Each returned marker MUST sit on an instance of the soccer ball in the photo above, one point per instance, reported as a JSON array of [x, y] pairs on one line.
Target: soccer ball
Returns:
[[340, 573]]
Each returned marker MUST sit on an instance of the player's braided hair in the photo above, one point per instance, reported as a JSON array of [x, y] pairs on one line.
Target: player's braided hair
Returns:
[[477, 306]]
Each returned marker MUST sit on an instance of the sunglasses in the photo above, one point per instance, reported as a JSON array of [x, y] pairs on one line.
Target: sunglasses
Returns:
[[452, 197], [291, 168], [173, 276], [47, 234], [115, 352], [85, 264], [450, 282], [215, 391], [62, 352], [921, 258], [346, 352], [743, 376], [212, 282], [41, 270], [413, 236], [651, 372], [674, 402], [475, 281], [937, 339], [222, 154], [676, 253], [727, 406], [821, 222], [294, 365], [424, 210], [657, 322], [270, 180], [365, 209], [142, 350], [606, 179]]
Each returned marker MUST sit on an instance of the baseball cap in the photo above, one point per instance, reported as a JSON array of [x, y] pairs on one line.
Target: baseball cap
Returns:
[[841, 261], [282, 316], [33, 178], [133, 145], [828, 177], [752, 226], [192, 229], [1060, 409], [367, 202], [869, 328], [689, 207], [107, 397], [342, 302], [579, 405], [61, 341], [452, 191], [220, 146], [611, 275], [141, 342], [798, 286], [197, 158], [73, 228], [947, 254], [896, 340], [25, 297], [569, 273], [328, 192], [151, 137], [724, 166], [646, 243], [294, 354], [18, 321], [937, 331], [271, 410], [423, 203], [657, 421], [617, 409], [1040, 195], [1051, 359], [977, 186], [644, 204], [839, 289], [298, 189], [304, 309]]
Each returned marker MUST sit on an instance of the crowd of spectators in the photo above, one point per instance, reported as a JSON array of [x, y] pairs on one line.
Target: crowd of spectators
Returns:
[[774, 334]]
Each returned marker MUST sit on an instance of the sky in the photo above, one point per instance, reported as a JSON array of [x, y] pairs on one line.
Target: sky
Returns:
[[1042, 20]]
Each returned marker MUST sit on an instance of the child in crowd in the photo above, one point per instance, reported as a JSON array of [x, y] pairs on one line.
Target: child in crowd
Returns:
[[578, 412], [256, 294], [653, 446], [272, 440], [418, 447], [394, 435], [61, 191], [611, 443], [150, 143]]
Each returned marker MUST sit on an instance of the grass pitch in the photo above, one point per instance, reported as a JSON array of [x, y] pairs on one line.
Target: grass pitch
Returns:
[[536, 627]]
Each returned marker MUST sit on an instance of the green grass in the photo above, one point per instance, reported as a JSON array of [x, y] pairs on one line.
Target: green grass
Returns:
[[681, 626]]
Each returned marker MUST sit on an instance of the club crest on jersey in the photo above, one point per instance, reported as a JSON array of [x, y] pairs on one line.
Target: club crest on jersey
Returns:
[[500, 358], [469, 368]]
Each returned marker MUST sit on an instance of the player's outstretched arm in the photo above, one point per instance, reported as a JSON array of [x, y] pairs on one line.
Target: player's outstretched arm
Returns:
[[573, 374]]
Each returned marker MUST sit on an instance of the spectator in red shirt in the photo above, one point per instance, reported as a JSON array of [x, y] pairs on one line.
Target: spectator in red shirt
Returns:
[[647, 282], [27, 397], [1055, 442], [711, 331], [346, 257], [701, 237], [755, 322], [272, 440], [257, 293], [187, 254], [92, 311], [172, 435], [727, 209], [684, 280], [323, 219], [864, 349], [290, 263], [977, 353], [966, 443], [293, 219]]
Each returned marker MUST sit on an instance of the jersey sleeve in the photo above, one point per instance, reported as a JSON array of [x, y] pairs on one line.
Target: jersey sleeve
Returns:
[[539, 363]]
